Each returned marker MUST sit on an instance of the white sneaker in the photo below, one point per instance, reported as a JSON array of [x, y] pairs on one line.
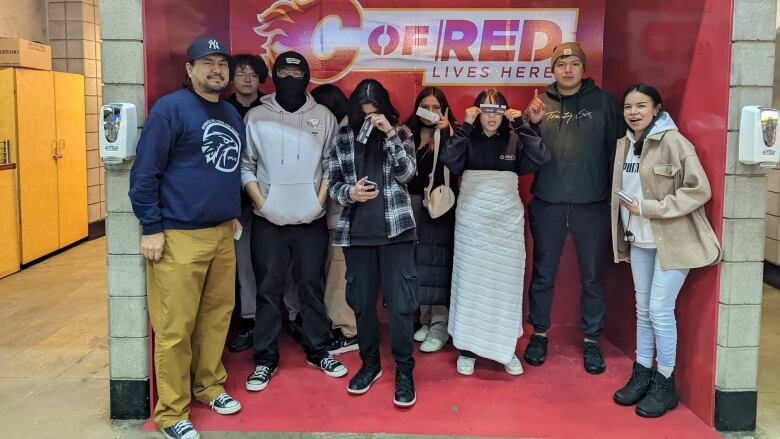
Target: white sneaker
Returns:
[[465, 365], [422, 333], [431, 345], [514, 367]]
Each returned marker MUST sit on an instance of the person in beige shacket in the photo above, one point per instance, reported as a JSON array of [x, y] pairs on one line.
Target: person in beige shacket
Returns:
[[662, 230]]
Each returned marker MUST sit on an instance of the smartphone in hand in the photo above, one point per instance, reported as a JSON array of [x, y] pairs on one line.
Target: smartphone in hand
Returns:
[[628, 199], [369, 185]]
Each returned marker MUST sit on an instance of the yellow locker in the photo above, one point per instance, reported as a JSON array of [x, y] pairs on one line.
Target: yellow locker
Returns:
[[36, 147], [42, 114], [9, 202], [71, 157]]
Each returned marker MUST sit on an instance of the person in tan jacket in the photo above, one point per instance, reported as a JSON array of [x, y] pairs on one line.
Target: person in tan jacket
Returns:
[[659, 226]]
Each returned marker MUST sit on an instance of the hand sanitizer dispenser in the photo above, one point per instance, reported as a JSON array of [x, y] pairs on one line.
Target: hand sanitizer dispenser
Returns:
[[118, 133], [758, 136]]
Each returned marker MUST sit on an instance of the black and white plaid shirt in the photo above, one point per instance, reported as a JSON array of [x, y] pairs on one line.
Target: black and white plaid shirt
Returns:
[[398, 170]]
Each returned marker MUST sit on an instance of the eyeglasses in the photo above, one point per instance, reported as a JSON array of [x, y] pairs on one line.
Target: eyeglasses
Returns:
[[251, 76], [295, 73]]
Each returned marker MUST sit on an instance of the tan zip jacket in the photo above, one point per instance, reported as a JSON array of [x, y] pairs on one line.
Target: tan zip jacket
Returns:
[[675, 188]]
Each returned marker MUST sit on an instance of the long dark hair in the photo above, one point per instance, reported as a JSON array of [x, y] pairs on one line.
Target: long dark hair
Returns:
[[415, 124], [492, 96], [333, 99], [370, 91], [655, 96]]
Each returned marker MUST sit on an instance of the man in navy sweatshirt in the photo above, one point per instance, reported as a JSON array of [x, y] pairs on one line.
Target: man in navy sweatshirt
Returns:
[[185, 189]]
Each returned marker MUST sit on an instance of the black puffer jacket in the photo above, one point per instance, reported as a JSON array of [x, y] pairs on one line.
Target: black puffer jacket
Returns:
[[435, 237]]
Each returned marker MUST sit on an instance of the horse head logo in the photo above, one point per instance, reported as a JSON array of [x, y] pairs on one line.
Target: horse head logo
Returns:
[[293, 24]]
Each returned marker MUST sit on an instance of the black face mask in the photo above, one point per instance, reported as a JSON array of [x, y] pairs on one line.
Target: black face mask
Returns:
[[291, 92]]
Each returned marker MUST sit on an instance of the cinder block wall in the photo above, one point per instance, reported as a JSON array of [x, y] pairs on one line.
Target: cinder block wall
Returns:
[[752, 68], [123, 81], [74, 31]]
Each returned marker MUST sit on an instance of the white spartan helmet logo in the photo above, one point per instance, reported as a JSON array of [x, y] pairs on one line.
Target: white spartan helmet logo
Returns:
[[214, 45]]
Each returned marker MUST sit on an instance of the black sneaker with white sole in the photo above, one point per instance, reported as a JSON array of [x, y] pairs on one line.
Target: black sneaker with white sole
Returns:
[[361, 382], [329, 365], [405, 396], [342, 344], [258, 380], [181, 430], [224, 404]]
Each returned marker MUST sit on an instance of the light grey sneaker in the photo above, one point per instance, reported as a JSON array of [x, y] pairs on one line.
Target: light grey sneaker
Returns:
[[421, 334], [224, 404], [181, 430], [514, 367], [465, 365], [431, 345]]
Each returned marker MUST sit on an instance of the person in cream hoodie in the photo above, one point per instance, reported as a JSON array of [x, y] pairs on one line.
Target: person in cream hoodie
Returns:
[[284, 170]]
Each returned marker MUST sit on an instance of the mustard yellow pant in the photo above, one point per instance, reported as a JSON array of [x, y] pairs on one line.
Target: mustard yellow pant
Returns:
[[190, 293]]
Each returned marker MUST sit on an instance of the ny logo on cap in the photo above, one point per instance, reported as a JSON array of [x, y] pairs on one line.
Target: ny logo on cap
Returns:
[[214, 45]]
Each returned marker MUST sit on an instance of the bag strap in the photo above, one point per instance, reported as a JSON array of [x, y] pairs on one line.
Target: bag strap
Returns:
[[436, 142]]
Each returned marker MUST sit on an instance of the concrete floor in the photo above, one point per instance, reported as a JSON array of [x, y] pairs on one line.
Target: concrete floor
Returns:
[[54, 356]]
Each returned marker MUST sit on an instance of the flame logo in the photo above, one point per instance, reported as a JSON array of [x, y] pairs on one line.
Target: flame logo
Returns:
[[292, 25]]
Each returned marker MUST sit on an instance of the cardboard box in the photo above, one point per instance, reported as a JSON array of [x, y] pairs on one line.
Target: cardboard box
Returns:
[[770, 250], [773, 203], [772, 227], [773, 180], [16, 52]]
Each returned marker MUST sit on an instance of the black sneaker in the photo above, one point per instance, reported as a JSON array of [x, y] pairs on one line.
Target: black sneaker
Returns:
[[181, 430], [241, 342], [661, 397], [404, 390], [592, 359], [536, 351], [329, 365], [258, 380], [636, 388], [361, 382], [341, 344], [224, 404]]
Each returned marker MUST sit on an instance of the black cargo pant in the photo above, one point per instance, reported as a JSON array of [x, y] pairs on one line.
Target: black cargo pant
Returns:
[[393, 266], [273, 248], [589, 225]]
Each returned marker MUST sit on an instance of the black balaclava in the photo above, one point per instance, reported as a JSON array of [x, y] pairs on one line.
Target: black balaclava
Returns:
[[291, 92]]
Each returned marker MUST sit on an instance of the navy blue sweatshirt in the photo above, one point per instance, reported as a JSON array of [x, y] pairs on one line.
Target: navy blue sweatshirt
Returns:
[[186, 173]]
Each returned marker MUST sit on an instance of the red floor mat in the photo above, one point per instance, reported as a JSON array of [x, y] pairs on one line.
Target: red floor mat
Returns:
[[557, 400]]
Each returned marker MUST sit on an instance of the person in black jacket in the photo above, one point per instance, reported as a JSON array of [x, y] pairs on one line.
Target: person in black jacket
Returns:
[[571, 195], [488, 270], [434, 236]]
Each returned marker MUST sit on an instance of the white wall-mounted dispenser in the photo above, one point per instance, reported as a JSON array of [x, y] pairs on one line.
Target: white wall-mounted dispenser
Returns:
[[118, 132], [758, 136]]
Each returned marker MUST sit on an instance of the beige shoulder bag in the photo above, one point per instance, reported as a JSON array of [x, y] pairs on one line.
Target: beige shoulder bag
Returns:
[[440, 200]]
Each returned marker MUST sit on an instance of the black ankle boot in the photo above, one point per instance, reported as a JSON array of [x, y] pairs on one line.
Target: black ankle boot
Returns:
[[637, 386], [661, 397]]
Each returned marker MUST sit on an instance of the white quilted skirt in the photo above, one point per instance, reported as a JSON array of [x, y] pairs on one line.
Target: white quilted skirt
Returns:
[[486, 306]]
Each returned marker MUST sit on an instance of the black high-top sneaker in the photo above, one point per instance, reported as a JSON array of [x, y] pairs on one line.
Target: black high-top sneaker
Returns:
[[592, 360], [405, 395], [536, 351], [637, 386], [661, 397]]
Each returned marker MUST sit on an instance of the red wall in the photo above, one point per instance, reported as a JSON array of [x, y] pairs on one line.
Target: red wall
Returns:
[[680, 47], [683, 49]]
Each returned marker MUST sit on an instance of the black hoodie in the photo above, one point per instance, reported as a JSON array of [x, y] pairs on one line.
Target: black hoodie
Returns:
[[581, 133]]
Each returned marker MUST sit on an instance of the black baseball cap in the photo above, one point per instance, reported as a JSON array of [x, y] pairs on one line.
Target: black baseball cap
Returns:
[[206, 46]]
